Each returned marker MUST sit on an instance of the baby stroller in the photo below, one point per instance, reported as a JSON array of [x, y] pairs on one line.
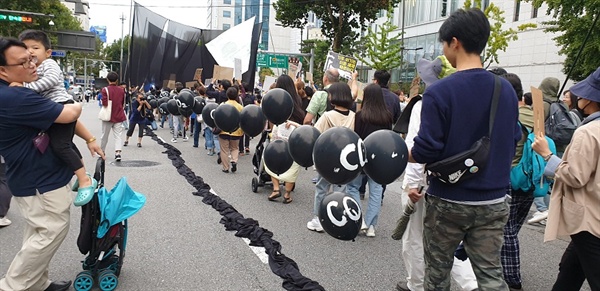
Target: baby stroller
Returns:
[[103, 231], [262, 177]]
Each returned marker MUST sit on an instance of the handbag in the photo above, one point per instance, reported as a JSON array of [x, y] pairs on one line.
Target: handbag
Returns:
[[467, 164], [41, 141], [105, 112]]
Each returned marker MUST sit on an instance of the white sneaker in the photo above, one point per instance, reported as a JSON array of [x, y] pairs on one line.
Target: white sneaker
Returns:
[[364, 226], [314, 225], [185, 138], [538, 216], [174, 140], [371, 231], [5, 222]]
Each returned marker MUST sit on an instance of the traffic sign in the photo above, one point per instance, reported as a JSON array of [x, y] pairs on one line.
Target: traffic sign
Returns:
[[272, 61], [59, 53]]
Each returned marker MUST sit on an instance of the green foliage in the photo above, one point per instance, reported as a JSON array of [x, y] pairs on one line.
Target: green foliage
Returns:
[[499, 38], [380, 51], [63, 18], [572, 21], [321, 48], [265, 72], [113, 51], [340, 17]]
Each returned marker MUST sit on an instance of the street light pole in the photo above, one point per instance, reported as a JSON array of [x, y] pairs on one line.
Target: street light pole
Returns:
[[122, 35]]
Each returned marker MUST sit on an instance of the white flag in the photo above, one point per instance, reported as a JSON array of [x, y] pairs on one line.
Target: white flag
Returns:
[[233, 43]]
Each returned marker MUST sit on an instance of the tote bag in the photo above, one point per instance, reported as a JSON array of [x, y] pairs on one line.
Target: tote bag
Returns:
[[105, 112]]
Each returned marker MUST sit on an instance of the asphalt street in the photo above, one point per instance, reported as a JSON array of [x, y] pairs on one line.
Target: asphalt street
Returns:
[[177, 243]]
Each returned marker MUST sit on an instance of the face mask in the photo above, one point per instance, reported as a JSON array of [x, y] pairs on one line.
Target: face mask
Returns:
[[580, 110]]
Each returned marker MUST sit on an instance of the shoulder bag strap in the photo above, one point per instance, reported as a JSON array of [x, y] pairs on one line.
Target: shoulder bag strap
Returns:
[[494, 106]]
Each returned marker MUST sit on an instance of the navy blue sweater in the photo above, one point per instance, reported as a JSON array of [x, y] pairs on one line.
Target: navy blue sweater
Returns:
[[455, 114]]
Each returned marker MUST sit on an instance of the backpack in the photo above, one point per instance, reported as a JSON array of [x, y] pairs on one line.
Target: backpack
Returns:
[[559, 125], [528, 174]]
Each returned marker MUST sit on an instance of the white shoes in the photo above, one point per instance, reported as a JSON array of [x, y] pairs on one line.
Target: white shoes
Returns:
[[538, 217], [185, 138], [314, 225], [364, 226], [5, 221], [371, 231], [174, 140]]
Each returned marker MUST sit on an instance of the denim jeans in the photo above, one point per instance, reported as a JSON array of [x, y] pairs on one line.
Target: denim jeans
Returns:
[[197, 126], [211, 141], [542, 203], [322, 187], [375, 191]]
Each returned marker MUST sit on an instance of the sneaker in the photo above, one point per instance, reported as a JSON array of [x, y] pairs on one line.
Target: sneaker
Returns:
[[315, 180], [174, 140], [185, 138], [219, 160], [5, 221], [233, 167], [402, 286], [118, 157], [538, 216], [543, 222], [364, 226], [314, 225], [371, 231]]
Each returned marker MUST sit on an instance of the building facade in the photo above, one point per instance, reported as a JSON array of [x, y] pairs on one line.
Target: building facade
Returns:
[[533, 56], [224, 14], [80, 9]]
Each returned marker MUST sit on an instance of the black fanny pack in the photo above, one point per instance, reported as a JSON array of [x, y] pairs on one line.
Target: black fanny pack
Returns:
[[467, 164]]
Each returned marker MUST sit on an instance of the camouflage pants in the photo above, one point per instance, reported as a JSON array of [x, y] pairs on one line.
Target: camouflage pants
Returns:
[[480, 228]]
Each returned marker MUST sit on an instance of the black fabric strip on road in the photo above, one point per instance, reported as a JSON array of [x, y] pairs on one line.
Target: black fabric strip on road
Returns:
[[249, 228]]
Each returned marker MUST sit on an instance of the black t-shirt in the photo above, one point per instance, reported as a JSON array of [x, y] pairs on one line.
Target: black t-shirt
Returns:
[[363, 129]]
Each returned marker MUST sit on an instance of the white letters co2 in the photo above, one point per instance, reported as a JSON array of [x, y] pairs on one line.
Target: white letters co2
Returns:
[[350, 212], [348, 149]]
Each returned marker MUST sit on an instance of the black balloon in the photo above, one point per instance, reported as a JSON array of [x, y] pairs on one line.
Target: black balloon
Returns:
[[153, 103], [277, 105], [187, 112], [387, 156], [163, 109], [340, 216], [207, 114], [339, 155], [227, 118], [277, 157], [252, 120], [302, 142], [186, 99], [199, 104], [173, 107], [163, 100]]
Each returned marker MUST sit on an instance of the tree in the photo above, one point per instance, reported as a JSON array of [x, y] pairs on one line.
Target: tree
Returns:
[[63, 18], [113, 51], [380, 51], [320, 50], [263, 73], [499, 38], [341, 18], [572, 20]]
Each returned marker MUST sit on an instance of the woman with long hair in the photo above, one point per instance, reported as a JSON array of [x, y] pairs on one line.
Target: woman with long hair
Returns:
[[286, 83], [373, 116], [302, 93]]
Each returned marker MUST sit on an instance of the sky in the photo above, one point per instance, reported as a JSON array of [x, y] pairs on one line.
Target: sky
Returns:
[[108, 13]]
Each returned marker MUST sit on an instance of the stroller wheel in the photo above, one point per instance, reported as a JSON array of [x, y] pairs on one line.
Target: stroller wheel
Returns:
[[254, 185], [84, 281], [107, 280]]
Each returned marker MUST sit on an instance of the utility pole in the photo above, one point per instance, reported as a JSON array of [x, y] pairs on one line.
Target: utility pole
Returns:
[[122, 35]]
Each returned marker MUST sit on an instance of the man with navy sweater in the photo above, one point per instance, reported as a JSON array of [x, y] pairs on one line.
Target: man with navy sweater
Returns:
[[455, 115]]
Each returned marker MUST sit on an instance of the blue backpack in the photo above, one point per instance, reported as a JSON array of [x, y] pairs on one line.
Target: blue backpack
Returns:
[[528, 174]]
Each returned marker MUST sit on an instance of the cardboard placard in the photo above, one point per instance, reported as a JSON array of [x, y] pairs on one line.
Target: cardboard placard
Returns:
[[361, 90], [237, 69], [173, 77], [292, 70], [171, 84], [207, 82], [309, 77], [415, 86], [198, 74], [222, 73], [345, 64], [269, 80], [190, 84], [165, 83], [538, 111]]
